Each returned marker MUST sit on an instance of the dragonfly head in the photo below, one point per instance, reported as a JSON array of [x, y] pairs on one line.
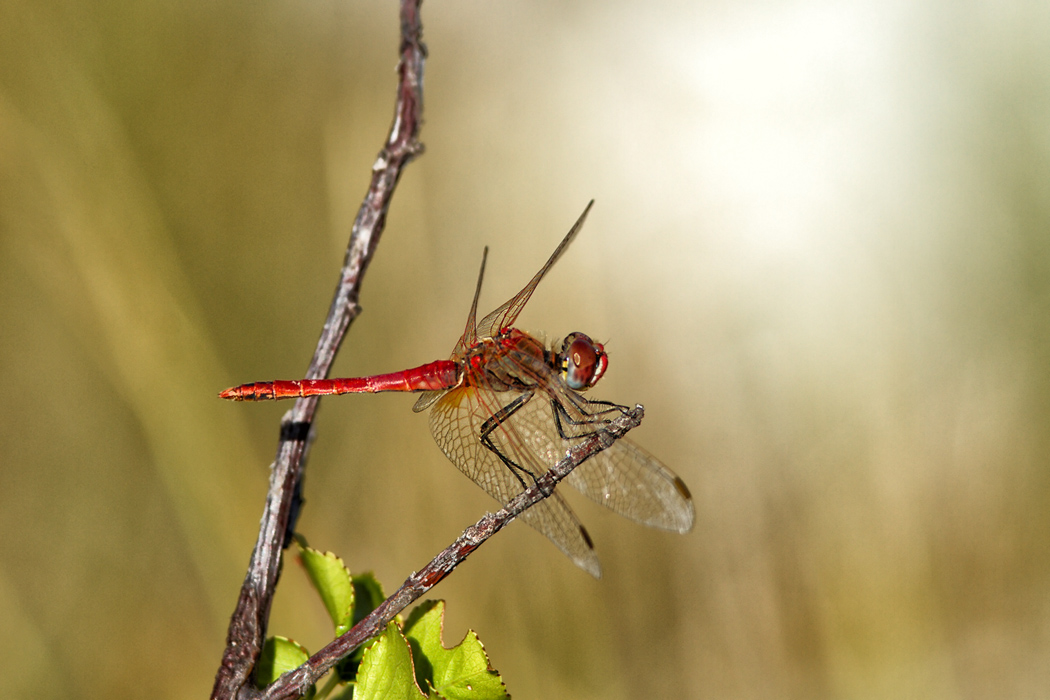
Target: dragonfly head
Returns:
[[582, 361]]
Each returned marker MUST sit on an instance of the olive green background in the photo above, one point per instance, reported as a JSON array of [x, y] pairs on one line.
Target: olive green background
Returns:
[[820, 256]]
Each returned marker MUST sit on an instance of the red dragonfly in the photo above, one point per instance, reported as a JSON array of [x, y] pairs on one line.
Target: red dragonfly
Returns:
[[505, 408]]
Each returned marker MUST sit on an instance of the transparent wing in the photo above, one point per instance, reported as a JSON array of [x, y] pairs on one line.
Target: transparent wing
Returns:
[[427, 399], [629, 481], [504, 316], [624, 478], [469, 337], [457, 420]]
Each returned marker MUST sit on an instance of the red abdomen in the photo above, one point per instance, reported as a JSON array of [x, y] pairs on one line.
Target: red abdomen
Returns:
[[443, 374]]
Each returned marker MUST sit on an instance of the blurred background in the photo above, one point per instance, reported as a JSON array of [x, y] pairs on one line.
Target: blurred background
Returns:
[[820, 257]]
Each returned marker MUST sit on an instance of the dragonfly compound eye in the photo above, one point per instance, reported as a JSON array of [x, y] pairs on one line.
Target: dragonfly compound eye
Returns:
[[583, 361]]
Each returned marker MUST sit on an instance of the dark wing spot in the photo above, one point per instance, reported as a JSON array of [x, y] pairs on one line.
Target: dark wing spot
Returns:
[[586, 537], [682, 488]]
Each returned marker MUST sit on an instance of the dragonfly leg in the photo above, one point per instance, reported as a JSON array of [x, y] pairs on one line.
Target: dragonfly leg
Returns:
[[594, 408], [490, 425], [590, 416]]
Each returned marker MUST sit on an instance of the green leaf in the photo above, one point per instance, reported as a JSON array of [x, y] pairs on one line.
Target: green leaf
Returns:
[[347, 668], [386, 670], [460, 673], [332, 580], [279, 655], [368, 593]]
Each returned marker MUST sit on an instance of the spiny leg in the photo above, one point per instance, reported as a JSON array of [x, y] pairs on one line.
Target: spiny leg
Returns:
[[592, 418], [594, 408], [519, 472], [494, 422]]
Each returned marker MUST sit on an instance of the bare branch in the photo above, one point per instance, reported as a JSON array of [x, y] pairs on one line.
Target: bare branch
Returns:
[[247, 630], [296, 683]]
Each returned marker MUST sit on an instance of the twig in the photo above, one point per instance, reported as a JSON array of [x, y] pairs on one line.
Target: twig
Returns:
[[296, 683], [248, 623]]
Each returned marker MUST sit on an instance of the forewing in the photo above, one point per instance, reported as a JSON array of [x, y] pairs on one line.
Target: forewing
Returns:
[[470, 335], [456, 421], [504, 316]]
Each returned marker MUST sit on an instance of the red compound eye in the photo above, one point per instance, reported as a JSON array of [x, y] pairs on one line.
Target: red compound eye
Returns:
[[583, 361]]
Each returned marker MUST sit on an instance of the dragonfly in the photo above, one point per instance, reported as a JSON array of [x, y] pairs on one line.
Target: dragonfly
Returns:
[[506, 407]]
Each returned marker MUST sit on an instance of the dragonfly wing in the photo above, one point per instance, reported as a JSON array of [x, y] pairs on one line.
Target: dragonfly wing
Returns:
[[427, 399], [624, 478], [456, 422], [470, 334], [504, 316], [629, 481], [469, 337]]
